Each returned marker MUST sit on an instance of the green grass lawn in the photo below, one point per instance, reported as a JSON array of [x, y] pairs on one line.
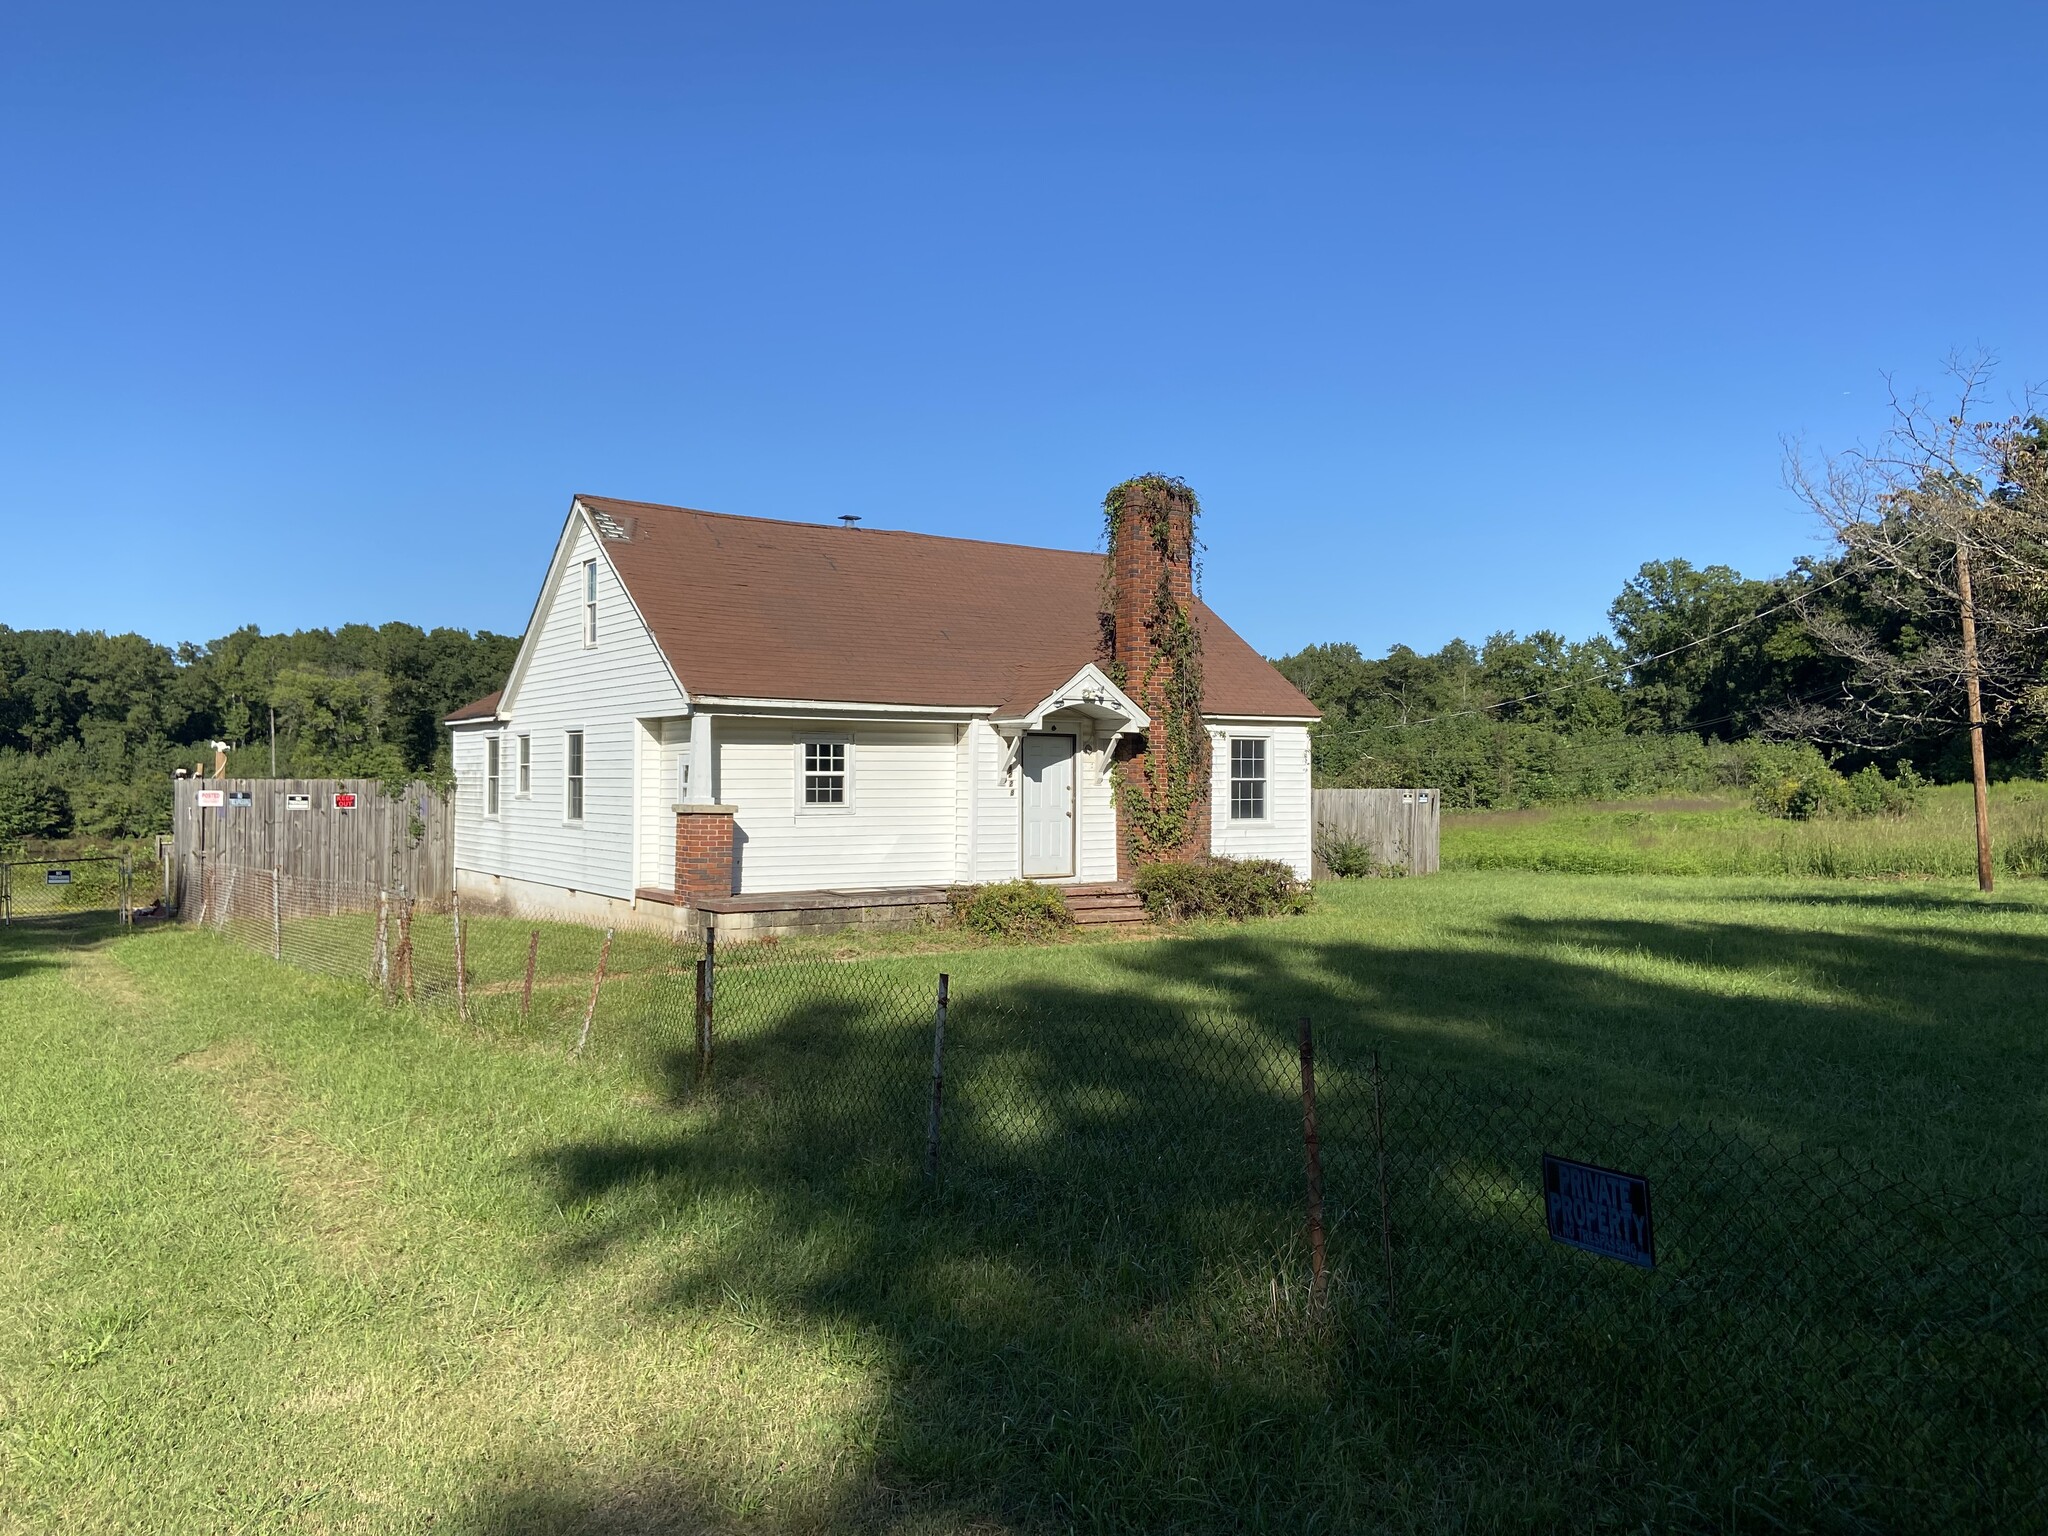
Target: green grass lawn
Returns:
[[278, 1258], [1708, 837]]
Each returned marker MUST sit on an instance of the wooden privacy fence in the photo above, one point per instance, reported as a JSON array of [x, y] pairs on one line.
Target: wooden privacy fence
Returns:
[[1398, 829], [311, 829]]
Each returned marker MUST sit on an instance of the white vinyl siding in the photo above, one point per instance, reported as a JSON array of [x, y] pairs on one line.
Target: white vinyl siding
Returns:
[[897, 830], [1284, 832], [604, 693]]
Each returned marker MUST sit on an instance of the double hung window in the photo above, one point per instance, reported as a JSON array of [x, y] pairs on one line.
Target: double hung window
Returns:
[[1247, 780], [824, 773], [572, 795]]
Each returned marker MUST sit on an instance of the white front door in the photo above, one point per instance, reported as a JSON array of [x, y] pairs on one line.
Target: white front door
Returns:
[[1047, 763]]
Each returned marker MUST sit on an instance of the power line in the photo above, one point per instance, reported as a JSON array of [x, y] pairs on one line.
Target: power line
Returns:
[[1544, 693]]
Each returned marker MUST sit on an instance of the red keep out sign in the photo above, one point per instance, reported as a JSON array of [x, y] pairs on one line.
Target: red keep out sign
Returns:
[[345, 800]]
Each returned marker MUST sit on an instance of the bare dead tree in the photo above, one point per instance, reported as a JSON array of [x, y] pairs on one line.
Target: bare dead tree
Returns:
[[1942, 534]]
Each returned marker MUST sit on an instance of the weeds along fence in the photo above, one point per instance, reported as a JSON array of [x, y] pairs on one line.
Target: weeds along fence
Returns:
[[1816, 1338]]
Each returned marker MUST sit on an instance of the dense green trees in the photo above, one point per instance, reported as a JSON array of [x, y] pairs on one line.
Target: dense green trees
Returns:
[[1699, 659], [92, 725]]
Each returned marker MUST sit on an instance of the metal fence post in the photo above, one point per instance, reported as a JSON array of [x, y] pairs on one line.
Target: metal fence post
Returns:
[[127, 888], [526, 993], [1319, 1280], [604, 954], [1379, 1144], [276, 915], [931, 1134], [703, 1019], [461, 957], [404, 966]]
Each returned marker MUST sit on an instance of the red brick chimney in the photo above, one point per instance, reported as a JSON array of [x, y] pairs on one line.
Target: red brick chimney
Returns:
[[1155, 655]]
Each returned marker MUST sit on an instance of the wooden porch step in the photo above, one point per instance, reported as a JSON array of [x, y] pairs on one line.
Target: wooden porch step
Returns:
[[1105, 903]]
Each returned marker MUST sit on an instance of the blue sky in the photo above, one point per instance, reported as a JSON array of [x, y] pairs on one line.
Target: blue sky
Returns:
[[1452, 316]]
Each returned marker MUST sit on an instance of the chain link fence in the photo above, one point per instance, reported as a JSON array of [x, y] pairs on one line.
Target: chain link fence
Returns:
[[69, 885], [1865, 1347]]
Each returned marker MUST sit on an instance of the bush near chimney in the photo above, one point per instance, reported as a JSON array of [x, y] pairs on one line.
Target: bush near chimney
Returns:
[[1010, 909], [1232, 888]]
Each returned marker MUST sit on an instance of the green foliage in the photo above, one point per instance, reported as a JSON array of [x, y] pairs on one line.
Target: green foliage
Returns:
[[2025, 846], [1729, 666], [1796, 782], [1934, 839], [32, 803], [1157, 793], [1174, 890], [1349, 859], [1010, 909], [107, 718]]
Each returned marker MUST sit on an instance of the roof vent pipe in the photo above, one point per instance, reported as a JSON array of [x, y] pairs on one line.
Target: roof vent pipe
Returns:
[[849, 518]]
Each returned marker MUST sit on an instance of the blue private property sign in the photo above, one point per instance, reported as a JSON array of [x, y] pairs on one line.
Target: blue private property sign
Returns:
[[1599, 1210]]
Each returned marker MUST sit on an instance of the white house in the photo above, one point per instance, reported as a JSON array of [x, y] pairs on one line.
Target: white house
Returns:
[[709, 711]]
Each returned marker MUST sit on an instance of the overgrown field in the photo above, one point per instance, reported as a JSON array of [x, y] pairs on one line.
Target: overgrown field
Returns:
[[318, 1263], [1709, 837]]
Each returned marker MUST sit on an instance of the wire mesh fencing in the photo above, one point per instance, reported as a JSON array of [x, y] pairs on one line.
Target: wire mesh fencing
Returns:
[[1850, 1341], [549, 982], [67, 886], [1846, 1338]]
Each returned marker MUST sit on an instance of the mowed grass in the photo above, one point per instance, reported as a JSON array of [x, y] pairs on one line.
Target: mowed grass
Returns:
[[278, 1258], [1708, 837]]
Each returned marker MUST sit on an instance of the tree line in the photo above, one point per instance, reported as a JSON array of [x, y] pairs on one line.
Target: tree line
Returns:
[[1858, 655], [92, 725]]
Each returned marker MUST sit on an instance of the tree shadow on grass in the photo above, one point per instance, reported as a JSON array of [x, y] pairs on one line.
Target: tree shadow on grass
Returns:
[[37, 942], [1098, 1317]]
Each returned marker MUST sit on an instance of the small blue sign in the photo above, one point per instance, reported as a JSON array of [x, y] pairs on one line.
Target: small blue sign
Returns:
[[1599, 1210]]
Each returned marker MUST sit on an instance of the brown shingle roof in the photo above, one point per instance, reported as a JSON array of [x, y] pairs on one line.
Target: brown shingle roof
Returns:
[[485, 708], [747, 607]]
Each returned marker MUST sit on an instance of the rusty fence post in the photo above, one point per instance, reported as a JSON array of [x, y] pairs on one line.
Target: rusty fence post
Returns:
[[931, 1134], [461, 957], [1312, 1148], [604, 955], [404, 965], [1379, 1144], [526, 994], [710, 985], [703, 1019]]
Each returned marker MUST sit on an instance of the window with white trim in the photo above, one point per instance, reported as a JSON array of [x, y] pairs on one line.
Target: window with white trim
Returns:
[[523, 784], [824, 774], [1247, 780], [590, 602], [491, 751], [572, 786]]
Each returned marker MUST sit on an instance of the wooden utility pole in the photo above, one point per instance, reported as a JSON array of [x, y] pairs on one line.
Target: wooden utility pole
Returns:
[[1976, 699]]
